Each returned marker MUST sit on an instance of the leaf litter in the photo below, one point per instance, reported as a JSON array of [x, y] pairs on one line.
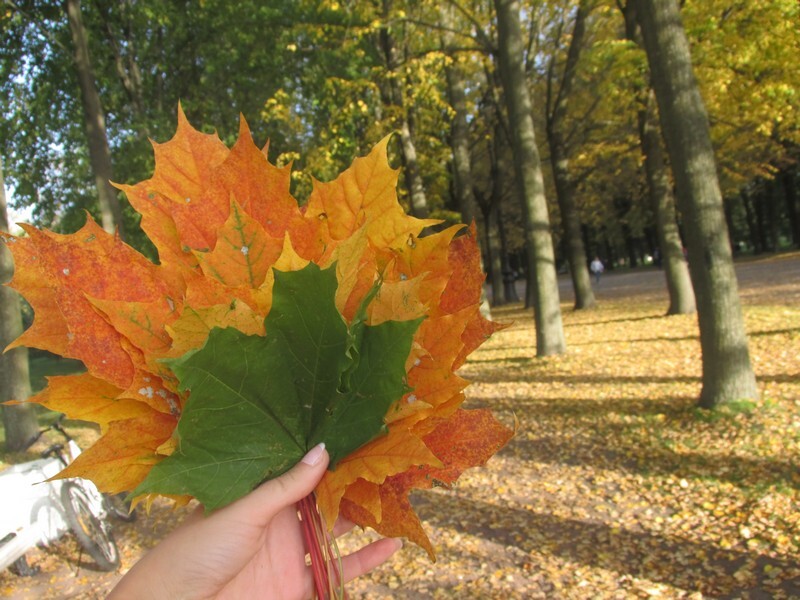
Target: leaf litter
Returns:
[[615, 486]]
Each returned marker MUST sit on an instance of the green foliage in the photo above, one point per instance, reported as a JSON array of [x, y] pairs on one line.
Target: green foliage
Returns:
[[258, 404], [312, 77]]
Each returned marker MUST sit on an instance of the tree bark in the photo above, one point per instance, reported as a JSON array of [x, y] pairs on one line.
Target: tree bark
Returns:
[[676, 271], [789, 178], [559, 160], [773, 214], [727, 371], [662, 200], [494, 222], [459, 141], [760, 206], [411, 173], [19, 421], [752, 225], [539, 242], [462, 169], [416, 189], [495, 247], [94, 122]]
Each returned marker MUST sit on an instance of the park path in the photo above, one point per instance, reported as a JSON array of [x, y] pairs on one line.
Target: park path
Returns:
[[777, 275]]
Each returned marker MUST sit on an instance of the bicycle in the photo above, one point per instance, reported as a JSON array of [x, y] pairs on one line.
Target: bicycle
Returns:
[[36, 509]]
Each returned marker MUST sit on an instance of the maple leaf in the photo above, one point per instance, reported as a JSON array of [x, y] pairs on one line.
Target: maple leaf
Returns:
[[250, 289], [267, 400]]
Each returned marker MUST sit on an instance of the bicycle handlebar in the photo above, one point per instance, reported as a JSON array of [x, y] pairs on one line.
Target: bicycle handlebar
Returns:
[[56, 425], [56, 450]]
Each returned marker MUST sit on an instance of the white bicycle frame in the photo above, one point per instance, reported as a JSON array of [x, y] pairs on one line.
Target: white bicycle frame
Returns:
[[31, 511]]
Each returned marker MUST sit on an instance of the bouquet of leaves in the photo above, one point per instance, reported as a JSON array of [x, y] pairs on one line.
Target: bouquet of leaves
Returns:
[[264, 329]]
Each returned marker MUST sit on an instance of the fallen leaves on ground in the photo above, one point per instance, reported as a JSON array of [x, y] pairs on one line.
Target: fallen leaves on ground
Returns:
[[615, 485]]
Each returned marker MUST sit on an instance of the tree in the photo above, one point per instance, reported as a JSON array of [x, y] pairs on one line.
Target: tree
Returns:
[[727, 372], [19, 421], [558, 97], [659, 187], [94, 121], [394, 98], [745, 57], [676, 272], [539, 243], [459, 129]]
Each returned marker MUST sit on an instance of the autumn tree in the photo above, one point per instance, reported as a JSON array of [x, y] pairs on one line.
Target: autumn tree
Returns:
[[662, 201], [558, 95], [19, 421], [94, 120], [459, 129], [659, 187], [539, 243], [746, 64], [394, 97], [727, 373]]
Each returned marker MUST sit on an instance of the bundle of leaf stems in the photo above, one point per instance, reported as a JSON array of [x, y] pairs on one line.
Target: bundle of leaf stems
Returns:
[[326, 563]]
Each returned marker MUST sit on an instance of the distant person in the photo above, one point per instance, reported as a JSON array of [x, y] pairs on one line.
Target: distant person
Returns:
[[597, 268]]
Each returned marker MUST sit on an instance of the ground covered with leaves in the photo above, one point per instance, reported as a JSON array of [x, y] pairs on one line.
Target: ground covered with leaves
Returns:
[[615, 485]]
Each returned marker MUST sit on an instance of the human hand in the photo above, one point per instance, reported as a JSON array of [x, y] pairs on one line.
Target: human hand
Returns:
[[252, 548]]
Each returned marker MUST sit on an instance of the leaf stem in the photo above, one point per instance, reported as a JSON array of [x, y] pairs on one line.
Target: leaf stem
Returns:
[[326, 564]]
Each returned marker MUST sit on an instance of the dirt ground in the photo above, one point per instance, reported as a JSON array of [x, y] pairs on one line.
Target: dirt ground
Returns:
[[567, 510]]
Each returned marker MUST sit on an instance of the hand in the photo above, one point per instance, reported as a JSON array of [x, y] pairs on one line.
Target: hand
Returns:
[[252, 548]]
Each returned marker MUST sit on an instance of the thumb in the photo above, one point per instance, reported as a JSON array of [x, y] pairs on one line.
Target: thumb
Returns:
[[291, 487]]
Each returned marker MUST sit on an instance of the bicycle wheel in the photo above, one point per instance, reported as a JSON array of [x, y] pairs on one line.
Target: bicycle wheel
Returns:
[[91, 532], [22, 568], [118, 507]]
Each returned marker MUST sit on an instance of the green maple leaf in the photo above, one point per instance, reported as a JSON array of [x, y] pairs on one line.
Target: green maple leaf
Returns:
[[258, 404]]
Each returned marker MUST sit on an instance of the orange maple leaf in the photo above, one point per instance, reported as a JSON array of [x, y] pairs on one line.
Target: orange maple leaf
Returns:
[[222, 220]]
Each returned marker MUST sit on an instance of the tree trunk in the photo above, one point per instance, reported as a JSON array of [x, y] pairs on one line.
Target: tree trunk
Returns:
[[19, 421], [676, 271], [462, 169], [565, 189], [494, 222], [773, 214], [759, 207], [411, 174], [459, 141], [789, 178], [509, 280], [128, 71], [494, 244], [414, 185], [662, 200], [752, 225], [727, 372], [539, 242], [94, 122]]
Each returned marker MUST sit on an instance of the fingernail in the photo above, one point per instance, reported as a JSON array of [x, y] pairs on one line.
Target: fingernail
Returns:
[[313, 455]]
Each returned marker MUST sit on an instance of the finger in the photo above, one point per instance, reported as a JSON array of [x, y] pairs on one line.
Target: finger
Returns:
[[370, 556], [294, 485], [342, 526]]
